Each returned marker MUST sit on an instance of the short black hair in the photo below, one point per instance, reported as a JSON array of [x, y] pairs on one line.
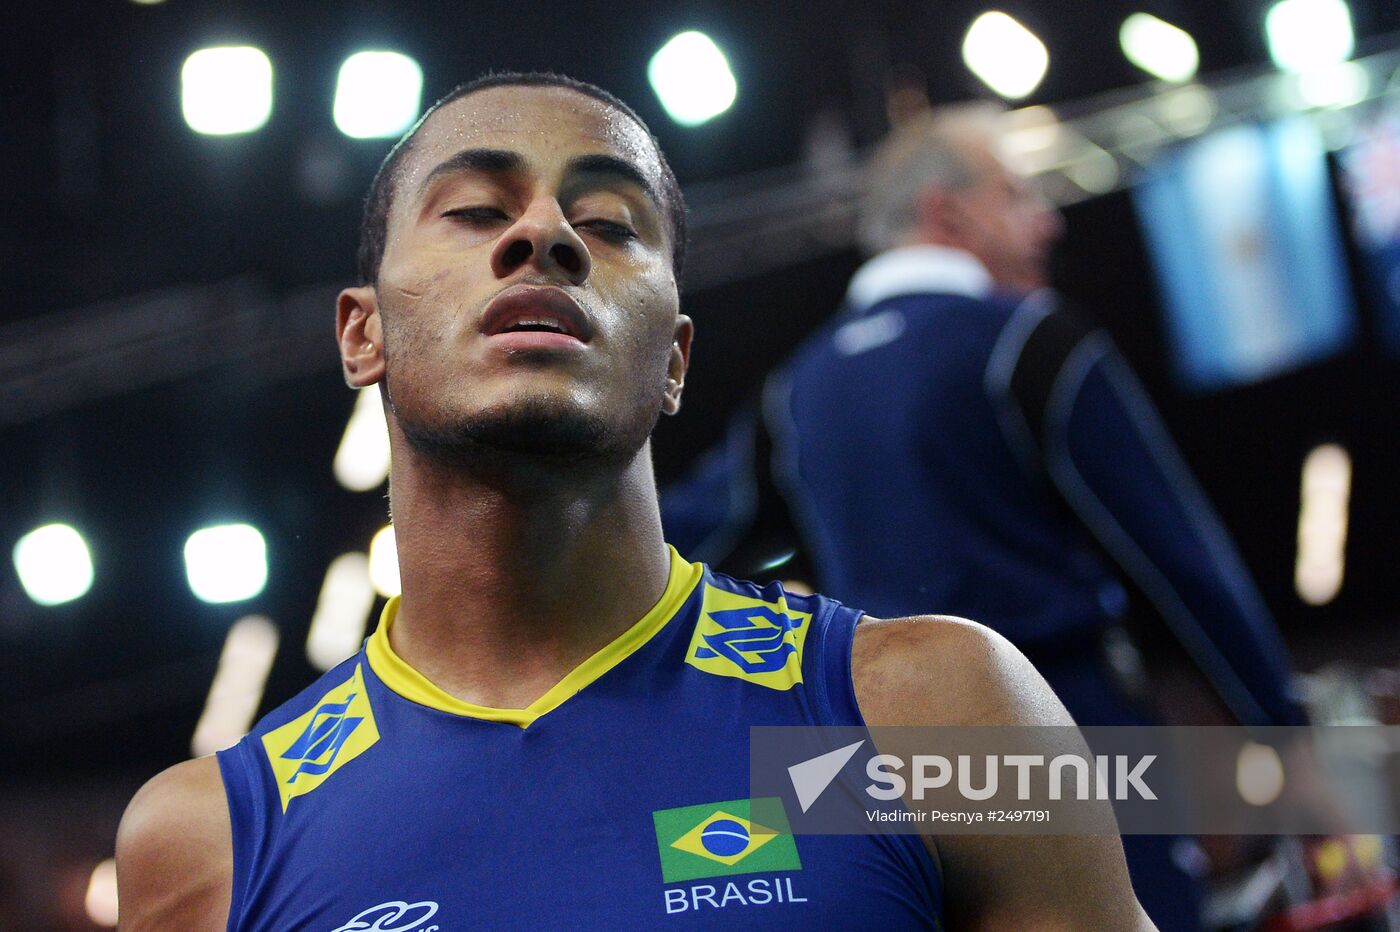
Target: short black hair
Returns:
[[374, 227]]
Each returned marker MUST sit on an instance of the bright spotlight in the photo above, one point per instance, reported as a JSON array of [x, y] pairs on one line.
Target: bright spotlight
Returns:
[[227, 563], [1159, 48], [362, 459], [1308, 34], [342, 611], [1187, 111], [101, 899], [226, 90], [1259, 776], [1034, 140], [384, 563], [377, 94], [1324, 505], [691, 77], [53, 564], [1096, 170], [1343, 85], [237, 690], [1005, 55]]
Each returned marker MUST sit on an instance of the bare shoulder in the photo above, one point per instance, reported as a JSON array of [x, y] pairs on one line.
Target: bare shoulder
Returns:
[[940, 670], [936, 670], [175, 851]]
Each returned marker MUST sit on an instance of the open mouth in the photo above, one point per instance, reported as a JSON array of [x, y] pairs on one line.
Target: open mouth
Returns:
[[540, 325], [541, 310]]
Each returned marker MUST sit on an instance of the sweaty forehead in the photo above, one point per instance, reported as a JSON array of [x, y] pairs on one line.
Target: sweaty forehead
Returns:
[[544, 124]]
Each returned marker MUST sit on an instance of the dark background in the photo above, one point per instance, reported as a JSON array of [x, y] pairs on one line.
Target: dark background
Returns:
[[108, 195]]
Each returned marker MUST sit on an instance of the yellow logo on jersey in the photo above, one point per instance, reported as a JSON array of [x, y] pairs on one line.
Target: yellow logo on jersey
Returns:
[[307, 750], [751, 639]]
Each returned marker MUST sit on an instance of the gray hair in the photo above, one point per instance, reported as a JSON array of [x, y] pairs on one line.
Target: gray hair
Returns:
[[930, 148]]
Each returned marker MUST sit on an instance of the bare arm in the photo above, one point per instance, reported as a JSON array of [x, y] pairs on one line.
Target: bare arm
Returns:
[[946, 671], [175, 852]]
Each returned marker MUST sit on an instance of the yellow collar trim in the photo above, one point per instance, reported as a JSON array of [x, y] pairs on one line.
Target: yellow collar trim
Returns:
[[412, 685]]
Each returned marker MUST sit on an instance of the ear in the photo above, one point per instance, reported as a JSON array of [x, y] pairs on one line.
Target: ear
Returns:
[[678, 364], [939, 214], [361, 336]]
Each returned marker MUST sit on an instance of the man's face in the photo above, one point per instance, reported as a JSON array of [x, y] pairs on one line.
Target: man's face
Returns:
[[1006, 222], [526, 295]]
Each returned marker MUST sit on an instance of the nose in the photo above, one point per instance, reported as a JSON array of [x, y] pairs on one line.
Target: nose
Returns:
[[542, 238]]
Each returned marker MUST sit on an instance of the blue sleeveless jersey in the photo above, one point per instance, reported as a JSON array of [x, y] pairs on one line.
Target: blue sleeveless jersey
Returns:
[[374, 801]]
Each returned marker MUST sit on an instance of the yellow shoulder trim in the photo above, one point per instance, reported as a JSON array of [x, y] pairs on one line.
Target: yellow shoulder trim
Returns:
[[412, 685]]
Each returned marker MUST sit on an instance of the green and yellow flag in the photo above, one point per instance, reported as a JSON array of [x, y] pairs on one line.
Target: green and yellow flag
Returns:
[[719, 839]]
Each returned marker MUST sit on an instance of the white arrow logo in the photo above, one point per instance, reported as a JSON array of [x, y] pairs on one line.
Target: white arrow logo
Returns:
[[811, 777]]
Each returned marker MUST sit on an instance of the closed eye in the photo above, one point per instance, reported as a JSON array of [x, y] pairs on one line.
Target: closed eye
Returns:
[[609, 229], [476, 214]]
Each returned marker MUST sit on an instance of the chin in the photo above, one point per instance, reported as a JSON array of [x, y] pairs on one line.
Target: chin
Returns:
[[539, 428]]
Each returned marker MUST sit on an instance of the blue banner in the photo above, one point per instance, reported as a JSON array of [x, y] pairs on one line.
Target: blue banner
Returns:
[[1244, 240], [1371, 172]]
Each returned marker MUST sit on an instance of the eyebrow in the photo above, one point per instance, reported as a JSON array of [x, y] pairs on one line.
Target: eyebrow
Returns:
[[611, 165], [491, 161], [502, 161]]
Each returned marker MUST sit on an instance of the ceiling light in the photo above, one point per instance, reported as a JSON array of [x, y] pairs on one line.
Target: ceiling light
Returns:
[[227, 563], [377, 95], [691, 77], [1005, 55], [1308, 34], [53, 564], [1159, 48], [384, 563], [226, 90]]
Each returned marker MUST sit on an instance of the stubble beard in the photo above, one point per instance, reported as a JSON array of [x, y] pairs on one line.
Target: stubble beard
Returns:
[[529, 432]]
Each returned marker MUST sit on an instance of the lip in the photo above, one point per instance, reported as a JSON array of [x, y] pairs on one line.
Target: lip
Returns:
[[527, 302]]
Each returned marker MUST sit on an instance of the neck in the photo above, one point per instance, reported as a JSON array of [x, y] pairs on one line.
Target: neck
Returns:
[[513, 577]]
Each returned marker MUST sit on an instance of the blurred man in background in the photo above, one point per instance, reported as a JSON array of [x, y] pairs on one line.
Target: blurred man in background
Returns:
[[955, 442]]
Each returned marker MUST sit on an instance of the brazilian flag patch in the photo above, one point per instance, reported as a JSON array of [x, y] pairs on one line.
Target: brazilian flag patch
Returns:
[[719, 839]]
